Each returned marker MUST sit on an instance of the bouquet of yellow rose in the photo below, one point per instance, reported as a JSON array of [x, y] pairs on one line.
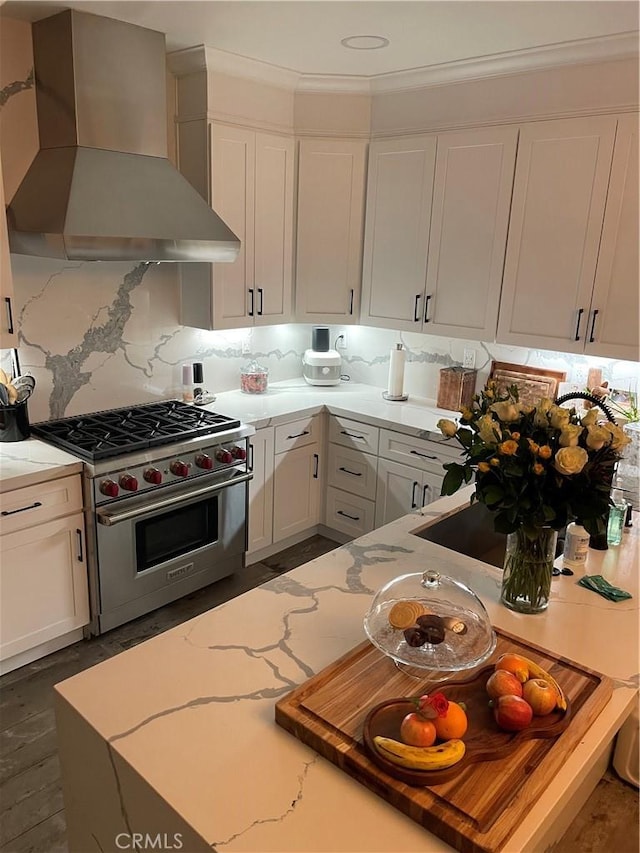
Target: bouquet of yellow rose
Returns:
[[535, 466]]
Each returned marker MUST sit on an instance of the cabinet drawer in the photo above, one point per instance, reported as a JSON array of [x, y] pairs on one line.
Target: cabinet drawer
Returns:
[[423, 454], [351, 514], [297, 434], [352, 471], [22, 508], [353, 434]]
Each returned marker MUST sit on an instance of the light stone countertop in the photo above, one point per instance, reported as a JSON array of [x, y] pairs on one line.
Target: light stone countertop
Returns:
[[178, 733], [24, 463]]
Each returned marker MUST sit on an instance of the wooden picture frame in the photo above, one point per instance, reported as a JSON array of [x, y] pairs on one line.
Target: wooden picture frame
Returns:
[[533, 383]]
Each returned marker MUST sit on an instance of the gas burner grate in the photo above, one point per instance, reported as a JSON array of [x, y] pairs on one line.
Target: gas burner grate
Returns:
[[115, 432]]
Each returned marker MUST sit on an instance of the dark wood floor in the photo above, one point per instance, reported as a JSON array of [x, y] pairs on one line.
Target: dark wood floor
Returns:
[[31, 807]]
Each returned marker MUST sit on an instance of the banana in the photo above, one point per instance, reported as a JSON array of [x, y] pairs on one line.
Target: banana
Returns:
[[421, 757], [536, 671]]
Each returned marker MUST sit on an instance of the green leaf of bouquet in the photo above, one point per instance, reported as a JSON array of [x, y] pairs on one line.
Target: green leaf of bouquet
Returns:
[[452, 479], [548, 512], [492, 495]]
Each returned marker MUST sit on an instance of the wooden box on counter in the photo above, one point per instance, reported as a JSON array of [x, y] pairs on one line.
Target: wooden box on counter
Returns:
[[456, 388]]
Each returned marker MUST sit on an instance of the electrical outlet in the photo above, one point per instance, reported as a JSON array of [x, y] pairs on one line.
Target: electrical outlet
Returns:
[[341, 341], [246, 346], [469, 359]]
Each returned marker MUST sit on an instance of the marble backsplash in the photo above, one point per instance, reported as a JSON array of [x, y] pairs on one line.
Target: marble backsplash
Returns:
[[101, 335]]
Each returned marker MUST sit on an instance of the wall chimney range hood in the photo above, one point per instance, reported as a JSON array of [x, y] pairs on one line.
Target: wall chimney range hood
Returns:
[[101, 187]]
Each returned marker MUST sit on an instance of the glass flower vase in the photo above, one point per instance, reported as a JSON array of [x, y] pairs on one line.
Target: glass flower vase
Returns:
[[528, 566]]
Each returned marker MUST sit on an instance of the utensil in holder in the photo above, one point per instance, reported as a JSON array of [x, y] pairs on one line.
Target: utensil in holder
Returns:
[[14, 422]]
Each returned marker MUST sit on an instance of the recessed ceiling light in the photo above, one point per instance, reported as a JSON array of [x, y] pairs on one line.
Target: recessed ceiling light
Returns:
[[364, 42]]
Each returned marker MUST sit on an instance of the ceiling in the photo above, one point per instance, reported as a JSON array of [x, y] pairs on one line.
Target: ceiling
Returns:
[[304, 36]]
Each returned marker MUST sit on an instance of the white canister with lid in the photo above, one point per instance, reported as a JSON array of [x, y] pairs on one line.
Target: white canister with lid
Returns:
[[576, 546]]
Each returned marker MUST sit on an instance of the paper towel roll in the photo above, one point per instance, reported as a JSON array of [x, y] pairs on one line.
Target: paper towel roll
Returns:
[[396, 371]]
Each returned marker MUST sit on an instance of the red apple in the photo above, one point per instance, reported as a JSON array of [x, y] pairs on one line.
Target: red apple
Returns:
[[417, 730], [503, 683], [512, 713], [540, 695]]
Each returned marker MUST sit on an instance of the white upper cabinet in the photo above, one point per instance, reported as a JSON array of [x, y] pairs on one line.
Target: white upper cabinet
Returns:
[[399, 193], [331, 182], [8, 336], [613, 328], [469, 222], [559, 196], [252, 189]]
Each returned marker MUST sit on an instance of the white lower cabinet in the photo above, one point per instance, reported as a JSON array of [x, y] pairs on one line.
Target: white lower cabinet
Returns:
[[43, 571], [350, 514], [296, 491], [260, 522], [402, 489]]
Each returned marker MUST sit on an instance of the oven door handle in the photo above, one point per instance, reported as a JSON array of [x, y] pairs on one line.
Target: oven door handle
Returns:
[[111, 518]]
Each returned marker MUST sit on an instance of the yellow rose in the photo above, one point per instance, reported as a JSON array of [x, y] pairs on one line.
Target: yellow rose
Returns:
[[506, 411], [494, 461], [515, 436], [538, 469], [559, 417], [484, 467], [467, 414], [508, 448], [570, 435], [597, 437], [533, 447], [619, 438], [590, 419], [540, 418], [570, 460], [447, 427], [544, 452], [489, 430]]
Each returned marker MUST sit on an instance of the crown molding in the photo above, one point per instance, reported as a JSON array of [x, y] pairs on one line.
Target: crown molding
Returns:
[[580, 52]]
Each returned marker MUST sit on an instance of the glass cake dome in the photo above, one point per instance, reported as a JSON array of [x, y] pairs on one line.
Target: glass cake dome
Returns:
[[431, 622]]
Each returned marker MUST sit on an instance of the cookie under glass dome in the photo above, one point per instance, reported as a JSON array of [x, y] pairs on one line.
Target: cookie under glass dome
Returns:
[[430, 622]]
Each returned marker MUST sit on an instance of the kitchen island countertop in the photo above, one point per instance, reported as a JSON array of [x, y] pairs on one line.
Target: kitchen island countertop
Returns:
[[177, 735], [28, 462]]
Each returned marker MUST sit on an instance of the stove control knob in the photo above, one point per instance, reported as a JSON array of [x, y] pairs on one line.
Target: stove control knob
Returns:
[[129, 483], [179, 468], [223, 455], [109, 488], [238, 452], [204, 461], [153, 475]]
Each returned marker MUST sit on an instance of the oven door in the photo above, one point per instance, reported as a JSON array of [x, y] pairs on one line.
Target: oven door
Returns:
[[150, 552]]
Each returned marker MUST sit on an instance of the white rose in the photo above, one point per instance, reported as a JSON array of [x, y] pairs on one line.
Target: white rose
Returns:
[[591, 418], [570, 435], [507, 412], [559, 417], [489, 430], [447, 427], [597, 437], [619, 438], [570, 460], [540, 418]]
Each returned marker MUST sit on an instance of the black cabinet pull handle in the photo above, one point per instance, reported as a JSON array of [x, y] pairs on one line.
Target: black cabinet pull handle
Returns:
[[413, 494], [351, 301], [316, 460], [298, 434], [346, 515], [423, 455], [416, 313], [22, 509], [593, 326], [7, 302], [425, 489], [252, 303], [80, 550], [353, 473], [426, 308], [580, 313], [250, 456], [352, 435], [260, 302]]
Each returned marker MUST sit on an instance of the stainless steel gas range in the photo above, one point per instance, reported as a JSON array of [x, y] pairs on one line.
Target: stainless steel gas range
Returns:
[[165, 494]]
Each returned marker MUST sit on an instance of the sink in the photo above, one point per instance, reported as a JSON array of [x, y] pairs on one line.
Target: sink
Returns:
[[468, 531]]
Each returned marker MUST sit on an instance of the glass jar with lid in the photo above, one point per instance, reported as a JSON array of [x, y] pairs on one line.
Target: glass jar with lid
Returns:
[[430, 622], [254, 378]]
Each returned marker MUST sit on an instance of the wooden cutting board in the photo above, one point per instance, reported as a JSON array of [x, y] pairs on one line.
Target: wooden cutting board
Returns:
[[479, 808]]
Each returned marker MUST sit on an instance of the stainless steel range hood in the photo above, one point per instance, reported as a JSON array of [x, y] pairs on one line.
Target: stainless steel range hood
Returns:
[[101, 187]]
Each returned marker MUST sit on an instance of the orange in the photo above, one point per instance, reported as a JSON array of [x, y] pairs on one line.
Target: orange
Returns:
[[453, 725], [515, 664]]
